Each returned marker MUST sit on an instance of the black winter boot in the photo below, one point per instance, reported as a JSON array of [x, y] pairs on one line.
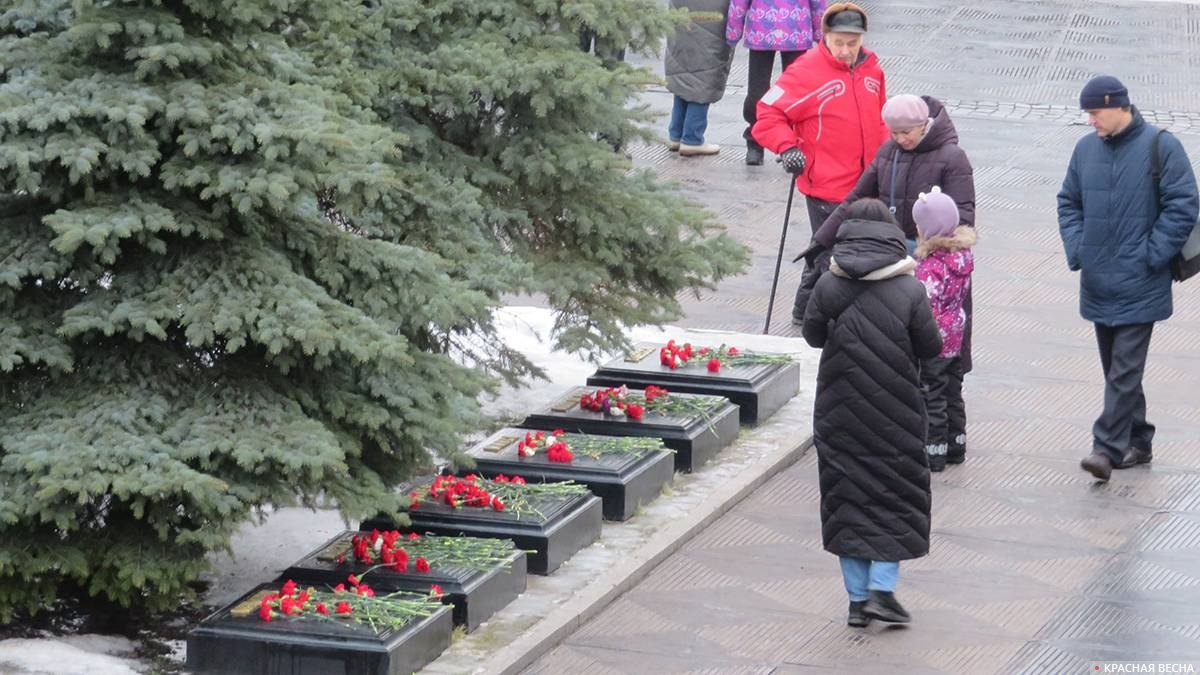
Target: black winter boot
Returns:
[[855, 617], [754, 154], [884, 606], [937, 456], [957, 452]]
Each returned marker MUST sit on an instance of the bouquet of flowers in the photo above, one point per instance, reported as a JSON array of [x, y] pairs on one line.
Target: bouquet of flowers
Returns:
[[674, 356]]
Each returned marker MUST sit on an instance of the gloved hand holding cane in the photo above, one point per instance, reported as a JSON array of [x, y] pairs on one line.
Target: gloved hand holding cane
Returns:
[[793, 161]]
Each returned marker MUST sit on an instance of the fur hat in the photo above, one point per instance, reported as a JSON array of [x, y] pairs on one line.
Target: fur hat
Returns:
[[844, 17], [935, 214]]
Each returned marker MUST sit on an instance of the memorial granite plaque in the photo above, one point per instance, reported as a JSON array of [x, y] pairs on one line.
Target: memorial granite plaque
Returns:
[[236, 640], [550, 521], [477, 576], [623, 471], [759, 383], [696, 427]]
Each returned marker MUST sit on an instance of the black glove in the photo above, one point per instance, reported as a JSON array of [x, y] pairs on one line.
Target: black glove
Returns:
[[793, 161]]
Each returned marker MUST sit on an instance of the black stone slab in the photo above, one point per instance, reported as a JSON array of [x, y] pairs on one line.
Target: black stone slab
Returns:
[[695, 439], [235, 641], [621, 480], [568, 525], [476, 595], [759, 390]]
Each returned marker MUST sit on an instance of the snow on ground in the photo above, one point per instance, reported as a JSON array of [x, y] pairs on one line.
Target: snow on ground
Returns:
[[69, 655]]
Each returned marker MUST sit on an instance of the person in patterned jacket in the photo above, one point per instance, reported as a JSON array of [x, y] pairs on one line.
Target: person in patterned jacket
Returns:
[[769, 27], [944, 268]]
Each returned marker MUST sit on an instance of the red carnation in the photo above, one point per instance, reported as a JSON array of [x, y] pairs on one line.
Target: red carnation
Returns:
[[733, 351], [343, 607], [497, 504], [422, 565], [322, 609], [289, 588], [635, 411], [353, 580], [517, 480], [435, 591], [340, 588], [714, 365], [413, 536], [264, 612]]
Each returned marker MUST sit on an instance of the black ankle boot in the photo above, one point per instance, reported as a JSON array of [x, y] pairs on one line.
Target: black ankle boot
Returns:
[[855, 617], [754, 154], [937, 456], [884, 606], [957, 453]]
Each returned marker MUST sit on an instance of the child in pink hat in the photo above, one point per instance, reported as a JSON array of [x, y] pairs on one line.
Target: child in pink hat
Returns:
[[944, 266]]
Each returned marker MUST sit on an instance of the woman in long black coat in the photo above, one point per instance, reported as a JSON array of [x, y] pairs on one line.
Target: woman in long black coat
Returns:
[[871, 318]]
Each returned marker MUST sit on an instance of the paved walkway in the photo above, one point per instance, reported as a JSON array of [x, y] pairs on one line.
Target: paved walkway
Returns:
[[1034, 568]]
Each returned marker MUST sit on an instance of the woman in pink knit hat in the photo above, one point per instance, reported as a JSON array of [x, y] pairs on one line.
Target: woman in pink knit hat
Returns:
[[922, 152]]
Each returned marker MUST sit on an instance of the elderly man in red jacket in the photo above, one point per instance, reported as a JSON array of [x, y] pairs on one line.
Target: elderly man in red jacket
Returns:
[[823, 116]]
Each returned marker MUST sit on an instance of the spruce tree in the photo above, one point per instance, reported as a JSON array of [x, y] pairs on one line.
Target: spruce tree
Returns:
[[251, 248]]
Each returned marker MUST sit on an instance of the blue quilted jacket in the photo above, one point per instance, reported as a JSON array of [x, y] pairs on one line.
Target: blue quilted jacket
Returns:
[[1113, 229]]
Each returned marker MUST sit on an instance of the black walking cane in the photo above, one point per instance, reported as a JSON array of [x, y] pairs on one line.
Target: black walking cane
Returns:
[[787, 214]]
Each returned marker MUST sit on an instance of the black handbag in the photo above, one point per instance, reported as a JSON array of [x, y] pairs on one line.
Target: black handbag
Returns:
[[1186, 263]]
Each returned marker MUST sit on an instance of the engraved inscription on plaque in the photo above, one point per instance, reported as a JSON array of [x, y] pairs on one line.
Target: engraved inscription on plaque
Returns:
[[568, 402], [500, 443], [250, 605], [335, 549], [637, 355]]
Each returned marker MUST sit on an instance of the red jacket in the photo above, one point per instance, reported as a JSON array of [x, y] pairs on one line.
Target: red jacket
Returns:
[[832, 112]]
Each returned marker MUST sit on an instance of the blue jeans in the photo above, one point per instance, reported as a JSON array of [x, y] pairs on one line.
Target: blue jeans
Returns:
[[688, 122], [862, 576]]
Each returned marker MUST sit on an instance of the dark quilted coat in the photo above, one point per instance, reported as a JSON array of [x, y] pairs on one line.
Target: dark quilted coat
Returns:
[[871, 318]]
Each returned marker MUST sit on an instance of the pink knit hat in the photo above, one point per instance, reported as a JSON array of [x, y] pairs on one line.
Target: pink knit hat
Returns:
[[905, 112], [935, 214]]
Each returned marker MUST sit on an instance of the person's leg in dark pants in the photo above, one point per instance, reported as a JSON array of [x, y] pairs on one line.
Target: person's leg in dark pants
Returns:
[[1122, 424], [956, 413], [818, 211], [935, 380], [758, 81]]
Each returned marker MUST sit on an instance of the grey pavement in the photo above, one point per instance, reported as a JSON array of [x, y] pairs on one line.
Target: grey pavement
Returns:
[[1034, 567]]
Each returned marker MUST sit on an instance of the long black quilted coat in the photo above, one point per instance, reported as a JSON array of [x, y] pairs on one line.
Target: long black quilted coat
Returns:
[[872, 319]]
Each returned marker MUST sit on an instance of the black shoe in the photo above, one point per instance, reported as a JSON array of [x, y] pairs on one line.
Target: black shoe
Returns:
[[884, 606], [754, 154], [957, 453], [1098, 464], [855, 617], [937, 457], [1135, 456]]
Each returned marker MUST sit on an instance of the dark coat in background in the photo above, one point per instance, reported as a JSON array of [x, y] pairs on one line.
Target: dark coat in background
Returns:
[[871, 318], [1113, 228], [937, 160], [698, 58]]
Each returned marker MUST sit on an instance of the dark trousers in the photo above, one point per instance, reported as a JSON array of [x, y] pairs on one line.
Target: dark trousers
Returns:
[[942, 382], [1122, 424], [758, 81], [818, 211]]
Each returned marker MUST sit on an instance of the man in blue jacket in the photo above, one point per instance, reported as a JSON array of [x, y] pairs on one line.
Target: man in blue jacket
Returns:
[[1121, 234]]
